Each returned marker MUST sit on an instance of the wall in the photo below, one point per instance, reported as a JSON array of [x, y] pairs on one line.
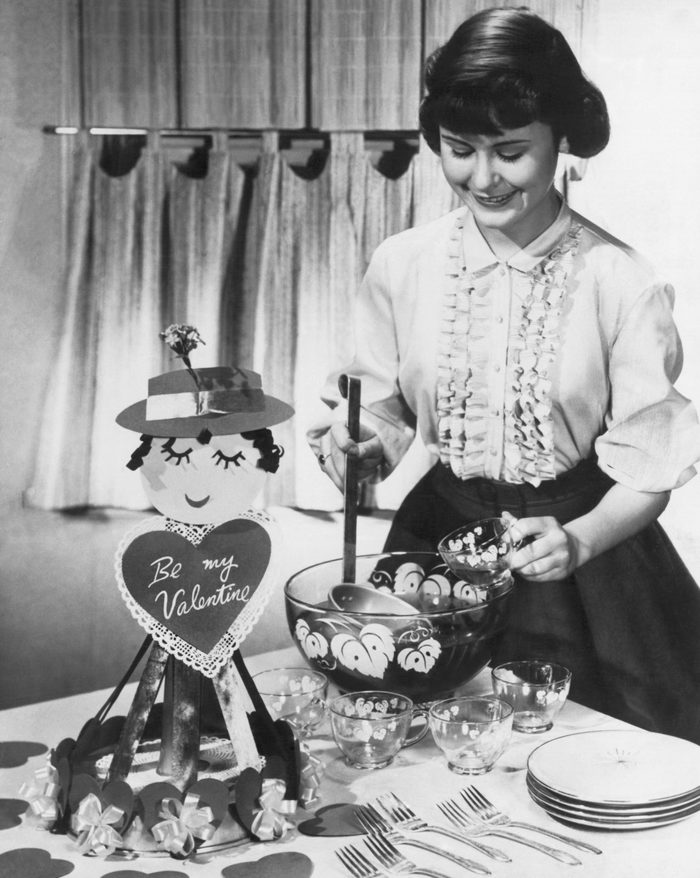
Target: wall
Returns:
[[644, 187], [64, 628]]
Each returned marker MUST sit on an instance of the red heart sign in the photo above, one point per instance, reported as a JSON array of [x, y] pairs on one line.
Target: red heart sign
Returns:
[[196, 593]]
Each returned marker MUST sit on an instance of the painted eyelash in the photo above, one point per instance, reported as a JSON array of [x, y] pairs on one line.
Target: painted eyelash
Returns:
[[177, 456], [235, 459]]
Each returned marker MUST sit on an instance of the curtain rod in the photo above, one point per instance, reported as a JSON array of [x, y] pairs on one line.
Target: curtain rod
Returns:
[[296, 133]]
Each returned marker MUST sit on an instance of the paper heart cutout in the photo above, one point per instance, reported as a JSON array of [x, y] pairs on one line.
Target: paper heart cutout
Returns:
[[11, 811], [15, 753], [332, 820], [33, 863], [290, 864], [191, 598]]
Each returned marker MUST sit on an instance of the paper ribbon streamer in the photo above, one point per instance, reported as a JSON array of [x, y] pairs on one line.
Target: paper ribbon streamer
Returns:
[[310, 778], [41, 794], [183, 823], [269, 821], [95, 827]]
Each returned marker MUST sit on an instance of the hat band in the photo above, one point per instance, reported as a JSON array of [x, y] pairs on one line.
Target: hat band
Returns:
[[205, 402]]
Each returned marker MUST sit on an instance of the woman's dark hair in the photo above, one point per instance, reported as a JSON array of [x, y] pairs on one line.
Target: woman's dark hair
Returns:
[[505, 68], [262, 439]]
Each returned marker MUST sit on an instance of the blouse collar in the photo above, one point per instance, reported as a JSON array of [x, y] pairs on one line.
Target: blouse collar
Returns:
[[480, 256]]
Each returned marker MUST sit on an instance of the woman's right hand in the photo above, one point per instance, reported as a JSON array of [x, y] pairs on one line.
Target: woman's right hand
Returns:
[[337, 444]]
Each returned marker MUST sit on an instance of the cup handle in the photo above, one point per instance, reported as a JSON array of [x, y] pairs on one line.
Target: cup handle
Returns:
[[419, 713]]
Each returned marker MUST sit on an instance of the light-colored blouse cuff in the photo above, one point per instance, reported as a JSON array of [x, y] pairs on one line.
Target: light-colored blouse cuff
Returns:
[[654, 450]]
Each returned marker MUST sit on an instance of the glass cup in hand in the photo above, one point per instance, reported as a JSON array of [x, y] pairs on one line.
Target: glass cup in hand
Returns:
[[472, 731], [536, 689], [297, 695], [479, 552], [371, 727]]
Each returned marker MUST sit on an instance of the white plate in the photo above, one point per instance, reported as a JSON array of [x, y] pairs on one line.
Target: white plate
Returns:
[[578, 819], [617, 767], [630, 815], [612, 810]]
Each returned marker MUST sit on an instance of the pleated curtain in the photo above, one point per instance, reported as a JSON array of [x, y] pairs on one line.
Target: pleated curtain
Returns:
[[147, 248]]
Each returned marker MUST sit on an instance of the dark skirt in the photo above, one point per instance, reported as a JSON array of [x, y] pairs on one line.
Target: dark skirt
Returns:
[[627, 623]]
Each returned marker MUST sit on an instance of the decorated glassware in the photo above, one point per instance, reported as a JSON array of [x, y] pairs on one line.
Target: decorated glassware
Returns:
[[424, 656], [536, 689], [479, 552], [472, 731], [297, 695], [371, 727]]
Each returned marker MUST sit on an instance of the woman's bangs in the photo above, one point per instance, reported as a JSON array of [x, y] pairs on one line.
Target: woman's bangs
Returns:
[[488, 112]]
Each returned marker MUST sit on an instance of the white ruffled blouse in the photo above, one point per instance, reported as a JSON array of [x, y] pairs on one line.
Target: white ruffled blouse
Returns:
[[518, 370]]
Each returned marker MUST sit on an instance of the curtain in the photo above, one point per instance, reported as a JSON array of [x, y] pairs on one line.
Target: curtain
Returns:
[[266, 263], [151, 246]]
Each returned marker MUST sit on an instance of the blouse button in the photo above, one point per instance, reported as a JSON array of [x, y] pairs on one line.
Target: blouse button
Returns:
[[496, 368], [499, 320], [493, 452]]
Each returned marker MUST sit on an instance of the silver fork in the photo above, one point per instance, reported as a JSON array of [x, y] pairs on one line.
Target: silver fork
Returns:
[[487, 811], [357, 863], [375, 824], [403, 817], [394, 861], [458, 817]]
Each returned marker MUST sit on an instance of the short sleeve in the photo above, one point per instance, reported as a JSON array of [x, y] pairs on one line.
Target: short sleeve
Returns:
[[652, 437], [376, 364]]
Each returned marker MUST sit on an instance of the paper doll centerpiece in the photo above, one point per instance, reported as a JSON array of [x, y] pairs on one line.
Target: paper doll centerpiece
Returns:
[[196, 578]]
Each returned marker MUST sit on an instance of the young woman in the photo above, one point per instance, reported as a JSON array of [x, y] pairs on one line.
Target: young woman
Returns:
[[537, 356]]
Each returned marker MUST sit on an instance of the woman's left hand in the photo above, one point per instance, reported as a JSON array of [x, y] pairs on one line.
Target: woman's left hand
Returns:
[[550, 552]]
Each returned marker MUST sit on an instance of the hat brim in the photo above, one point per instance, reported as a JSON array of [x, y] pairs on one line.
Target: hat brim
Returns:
[[134, 418]]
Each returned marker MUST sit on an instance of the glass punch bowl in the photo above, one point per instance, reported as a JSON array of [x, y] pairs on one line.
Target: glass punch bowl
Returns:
[[444, 641]]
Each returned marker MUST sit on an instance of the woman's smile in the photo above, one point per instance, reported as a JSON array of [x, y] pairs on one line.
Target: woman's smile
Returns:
[[494, 200]]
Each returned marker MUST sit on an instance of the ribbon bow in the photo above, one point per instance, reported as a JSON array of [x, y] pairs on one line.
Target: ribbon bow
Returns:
[[95, 827], [184, 821], [310, 778], [269, 821], [41, 794]]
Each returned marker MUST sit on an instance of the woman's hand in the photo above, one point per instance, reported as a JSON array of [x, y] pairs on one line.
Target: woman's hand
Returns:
[[554, 552], [550, 552], [337, 444]]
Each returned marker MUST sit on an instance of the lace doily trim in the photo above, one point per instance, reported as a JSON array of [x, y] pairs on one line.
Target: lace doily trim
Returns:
[[209, 663], [464, 349]]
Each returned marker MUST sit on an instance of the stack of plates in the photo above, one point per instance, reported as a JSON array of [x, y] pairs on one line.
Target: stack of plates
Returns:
[[616, 779]]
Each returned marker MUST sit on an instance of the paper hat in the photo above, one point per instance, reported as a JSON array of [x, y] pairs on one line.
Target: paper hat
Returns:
[[224, 401]]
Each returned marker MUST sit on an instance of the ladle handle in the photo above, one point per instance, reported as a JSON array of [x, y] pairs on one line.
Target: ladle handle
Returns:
[[350, 390]]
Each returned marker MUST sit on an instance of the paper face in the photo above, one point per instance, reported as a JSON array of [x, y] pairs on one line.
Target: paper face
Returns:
[[202, 484]]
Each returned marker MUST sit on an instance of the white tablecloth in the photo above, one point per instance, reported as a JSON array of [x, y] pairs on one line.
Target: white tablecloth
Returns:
[[419, 775]]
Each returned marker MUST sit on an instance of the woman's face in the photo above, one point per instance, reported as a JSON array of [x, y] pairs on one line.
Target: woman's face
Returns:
[[506, 180], [202, 484]]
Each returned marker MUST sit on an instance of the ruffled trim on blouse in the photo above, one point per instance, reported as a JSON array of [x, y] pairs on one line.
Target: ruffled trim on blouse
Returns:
[[464, 348]]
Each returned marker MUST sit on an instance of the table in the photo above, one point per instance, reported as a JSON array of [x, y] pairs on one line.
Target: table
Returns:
[[419, 775]]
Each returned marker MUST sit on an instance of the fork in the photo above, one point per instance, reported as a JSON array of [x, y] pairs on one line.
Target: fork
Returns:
[[357, 863], [394, 861], [403, 817], [372, 821], [458, 817], [487, 811]]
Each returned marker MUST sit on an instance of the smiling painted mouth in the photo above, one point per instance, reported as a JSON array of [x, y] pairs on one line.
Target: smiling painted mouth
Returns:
[[198, 503]]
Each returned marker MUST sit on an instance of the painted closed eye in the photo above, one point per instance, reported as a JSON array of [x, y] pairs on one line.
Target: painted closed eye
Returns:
[[224, 459], [176, 456]]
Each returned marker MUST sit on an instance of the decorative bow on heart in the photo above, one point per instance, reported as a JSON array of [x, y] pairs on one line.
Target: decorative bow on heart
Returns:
[[183, 823], [41, 794], [269, 821], [310, 778], [95, 827]]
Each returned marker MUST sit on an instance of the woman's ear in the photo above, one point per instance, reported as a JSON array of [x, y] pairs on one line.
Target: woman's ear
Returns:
[[564, 145]]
